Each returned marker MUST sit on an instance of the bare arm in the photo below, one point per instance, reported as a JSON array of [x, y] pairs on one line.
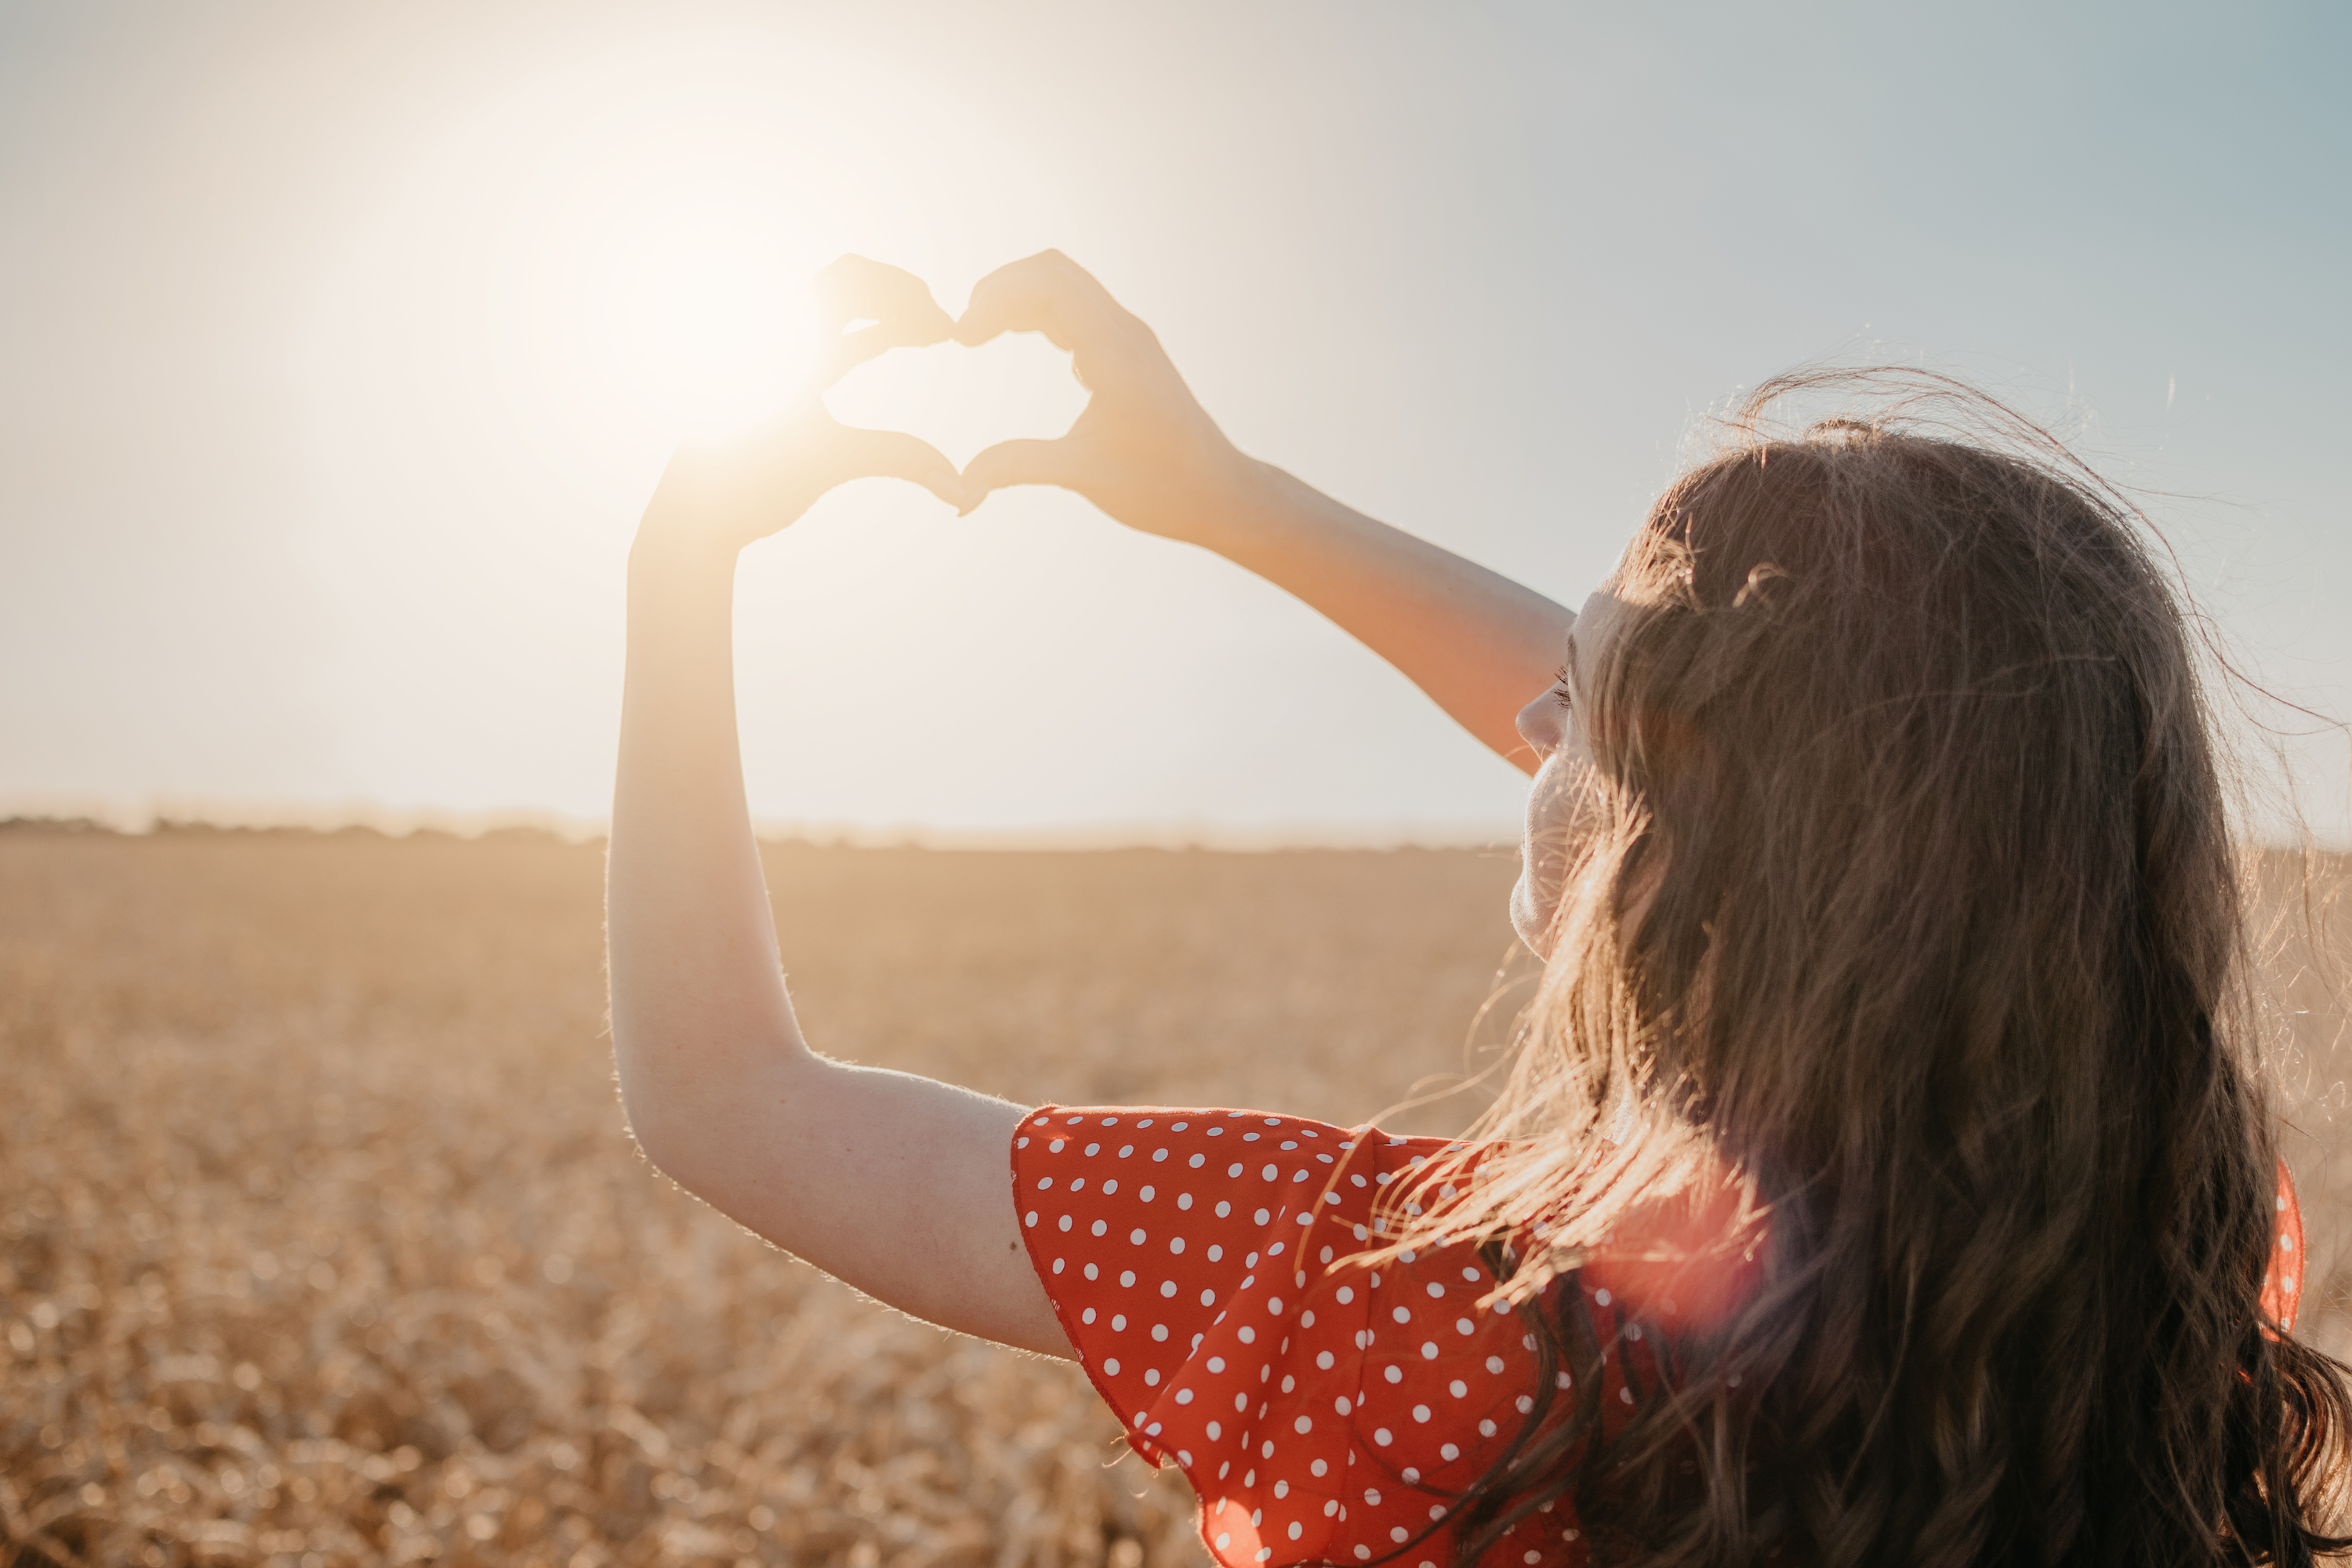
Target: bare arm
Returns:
[[896, 1184], [1479, 644]]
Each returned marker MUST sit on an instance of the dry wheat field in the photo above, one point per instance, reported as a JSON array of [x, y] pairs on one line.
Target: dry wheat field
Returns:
[[321, 1241]]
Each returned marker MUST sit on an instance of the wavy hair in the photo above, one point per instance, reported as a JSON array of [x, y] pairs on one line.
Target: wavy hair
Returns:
[[1903, 944]]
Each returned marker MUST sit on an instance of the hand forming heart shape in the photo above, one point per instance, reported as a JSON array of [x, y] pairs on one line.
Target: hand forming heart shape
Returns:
[[1141, 447]]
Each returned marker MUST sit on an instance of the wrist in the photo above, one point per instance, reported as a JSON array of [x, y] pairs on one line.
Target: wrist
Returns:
[[670, 547]]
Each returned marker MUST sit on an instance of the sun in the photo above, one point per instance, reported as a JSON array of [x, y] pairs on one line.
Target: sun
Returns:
[[616, 255]]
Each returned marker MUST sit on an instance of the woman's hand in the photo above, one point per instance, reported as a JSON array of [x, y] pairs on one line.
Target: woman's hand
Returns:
[[1144, 450], [719, 496]]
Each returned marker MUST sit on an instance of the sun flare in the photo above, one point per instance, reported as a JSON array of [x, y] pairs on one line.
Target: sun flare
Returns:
[[617, 254]]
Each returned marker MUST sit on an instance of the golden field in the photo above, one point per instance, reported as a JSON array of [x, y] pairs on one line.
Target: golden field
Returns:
[[322, 1240]]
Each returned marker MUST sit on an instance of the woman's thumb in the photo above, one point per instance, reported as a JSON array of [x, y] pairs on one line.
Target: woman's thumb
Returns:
[[1021, 462]]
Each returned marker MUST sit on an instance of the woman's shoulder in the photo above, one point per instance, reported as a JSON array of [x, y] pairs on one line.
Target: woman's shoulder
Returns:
[[1229, 1281]]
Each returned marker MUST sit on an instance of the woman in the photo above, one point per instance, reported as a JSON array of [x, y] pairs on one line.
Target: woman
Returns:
[[1883, 1178]]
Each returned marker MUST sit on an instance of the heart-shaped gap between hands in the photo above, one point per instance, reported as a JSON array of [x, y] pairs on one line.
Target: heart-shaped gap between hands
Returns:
[[964, 400]]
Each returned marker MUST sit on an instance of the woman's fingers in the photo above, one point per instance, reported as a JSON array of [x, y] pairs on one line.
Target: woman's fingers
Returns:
[[1047, 293], [898, 304], [1019, 462], [857, 287]]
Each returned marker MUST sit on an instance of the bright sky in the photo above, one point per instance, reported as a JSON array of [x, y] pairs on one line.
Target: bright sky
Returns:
[[340, 347]]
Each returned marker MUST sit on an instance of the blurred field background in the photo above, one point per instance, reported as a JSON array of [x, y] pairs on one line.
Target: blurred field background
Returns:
[[321, 1241]]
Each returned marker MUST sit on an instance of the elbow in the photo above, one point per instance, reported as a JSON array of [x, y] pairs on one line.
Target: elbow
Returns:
[[691, 1111]]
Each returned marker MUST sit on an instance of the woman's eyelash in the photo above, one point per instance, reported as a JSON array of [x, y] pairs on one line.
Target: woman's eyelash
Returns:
[[1560, 690]]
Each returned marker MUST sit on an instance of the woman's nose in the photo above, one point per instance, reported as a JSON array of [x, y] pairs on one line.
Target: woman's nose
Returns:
[[1539, 725]]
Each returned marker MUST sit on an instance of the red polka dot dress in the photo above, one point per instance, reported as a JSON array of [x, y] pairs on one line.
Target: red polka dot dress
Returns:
[[1209, 1267]]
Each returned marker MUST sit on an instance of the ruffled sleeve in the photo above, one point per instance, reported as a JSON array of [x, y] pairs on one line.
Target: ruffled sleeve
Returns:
[[2283, 1283], [1207, 1266]]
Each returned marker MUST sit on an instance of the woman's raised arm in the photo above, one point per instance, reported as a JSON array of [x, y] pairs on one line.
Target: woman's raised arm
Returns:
[[1145, 452], [898, 1184]]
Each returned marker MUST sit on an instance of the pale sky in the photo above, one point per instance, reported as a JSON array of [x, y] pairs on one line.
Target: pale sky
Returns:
[[340, 347]]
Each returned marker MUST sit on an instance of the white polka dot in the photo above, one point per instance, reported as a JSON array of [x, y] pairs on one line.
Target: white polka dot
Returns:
[[1124, 1150], [1341, 1405], [1363, 1554], [1602, 1297], [1248, 1334], [1090, 1150], [1101, 1227], [1151, 1377], [1495, 1363], [1176, 1244], [1429, 1349], [1127, 1278], [1215, 1431], [1057, 1266], [1183, 1200], [1527, 1404], [1111, 1367], [1030, 1218], [1234, 1169], [1412, 1476], [1464, 1326], [1371, 1498], [1263, 1217], [1345, 1294], [1381, 1435], [1198, 1161], [1223, 1209], [1065, 1222], [1270, 1172], [1436, 1289], [1208, 1298], [1054, 1147], [1485, 1428], [1303, 1426], [1159, 1330], [1401, 1316], [1420, 1411], [1323, 1361], [1184, 1395], [1274, 1305], [1399, 1534], [1449, 1453], [1092, 1272], [1295, 1528], [1135, 1236], [1457, 1388], [1395, 1374]]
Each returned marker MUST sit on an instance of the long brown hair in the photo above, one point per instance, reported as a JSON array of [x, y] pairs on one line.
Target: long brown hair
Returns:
[[1902, 936]]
